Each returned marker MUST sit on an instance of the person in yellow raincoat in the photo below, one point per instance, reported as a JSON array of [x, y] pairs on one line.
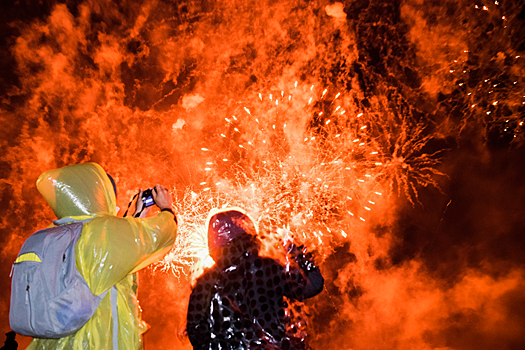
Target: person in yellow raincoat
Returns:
[[108, 253]]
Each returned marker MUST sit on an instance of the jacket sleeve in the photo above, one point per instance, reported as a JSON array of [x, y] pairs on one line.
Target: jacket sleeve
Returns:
[[197, 324], [303, 278], [111, 248]]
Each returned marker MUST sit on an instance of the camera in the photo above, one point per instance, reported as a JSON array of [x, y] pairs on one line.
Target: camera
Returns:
[[147, 198]]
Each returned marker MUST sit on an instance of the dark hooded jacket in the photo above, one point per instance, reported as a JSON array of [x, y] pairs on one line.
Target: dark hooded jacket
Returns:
[[240, 303]]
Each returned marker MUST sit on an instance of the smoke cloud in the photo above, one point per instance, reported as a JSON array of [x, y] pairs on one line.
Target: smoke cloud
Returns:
[[387, 135]]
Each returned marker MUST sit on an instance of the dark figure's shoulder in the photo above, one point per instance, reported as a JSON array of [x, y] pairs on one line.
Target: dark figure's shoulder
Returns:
[[266, 265], [208, 277], [260, 261]]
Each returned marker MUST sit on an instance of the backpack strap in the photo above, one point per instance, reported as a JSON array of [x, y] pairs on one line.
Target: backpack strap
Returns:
[[113, 291], [70, 220]]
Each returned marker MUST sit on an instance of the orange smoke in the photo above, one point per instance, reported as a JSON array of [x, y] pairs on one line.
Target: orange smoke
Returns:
[[387, 136]]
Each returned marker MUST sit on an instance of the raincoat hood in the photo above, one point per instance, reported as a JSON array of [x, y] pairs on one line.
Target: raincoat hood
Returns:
[[78, 190], [226, 224]]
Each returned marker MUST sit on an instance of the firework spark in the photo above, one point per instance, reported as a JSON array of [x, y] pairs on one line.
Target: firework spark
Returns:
[[403, 163], [315, 176]]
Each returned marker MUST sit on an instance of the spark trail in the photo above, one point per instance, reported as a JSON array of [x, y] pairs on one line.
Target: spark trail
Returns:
[[318, 176]]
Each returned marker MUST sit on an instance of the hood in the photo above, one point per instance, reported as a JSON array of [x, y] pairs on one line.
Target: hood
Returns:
[[78, 190], [226, 224]]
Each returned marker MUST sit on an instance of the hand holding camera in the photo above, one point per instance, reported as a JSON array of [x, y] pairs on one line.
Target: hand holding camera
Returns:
[[147, 197], [158, 195], [162, 197]]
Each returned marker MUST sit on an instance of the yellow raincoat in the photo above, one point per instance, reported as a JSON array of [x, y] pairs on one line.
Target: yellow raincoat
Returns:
[[108, 253]]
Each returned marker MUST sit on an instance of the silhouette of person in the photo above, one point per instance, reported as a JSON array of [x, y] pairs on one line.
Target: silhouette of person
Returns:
[[239, 302], [10, 342]]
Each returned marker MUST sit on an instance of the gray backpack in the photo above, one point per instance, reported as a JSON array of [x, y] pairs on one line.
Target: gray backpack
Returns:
[[49, 297]]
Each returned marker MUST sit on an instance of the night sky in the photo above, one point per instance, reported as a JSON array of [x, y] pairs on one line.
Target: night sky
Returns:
[[387, 135]]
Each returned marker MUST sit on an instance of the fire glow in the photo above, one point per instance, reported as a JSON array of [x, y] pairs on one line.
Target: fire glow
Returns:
[[304, 186], [370, 130]]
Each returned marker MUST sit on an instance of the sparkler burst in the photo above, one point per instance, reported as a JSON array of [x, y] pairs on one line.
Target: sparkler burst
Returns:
[[190, 250], [301, 162]]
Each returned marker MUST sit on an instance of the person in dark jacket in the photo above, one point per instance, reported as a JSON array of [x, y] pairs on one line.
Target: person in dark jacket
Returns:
[[240, 302], [10, 342]]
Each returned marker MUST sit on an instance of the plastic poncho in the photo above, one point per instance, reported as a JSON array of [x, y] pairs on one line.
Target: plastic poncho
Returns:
[[108, 253]]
